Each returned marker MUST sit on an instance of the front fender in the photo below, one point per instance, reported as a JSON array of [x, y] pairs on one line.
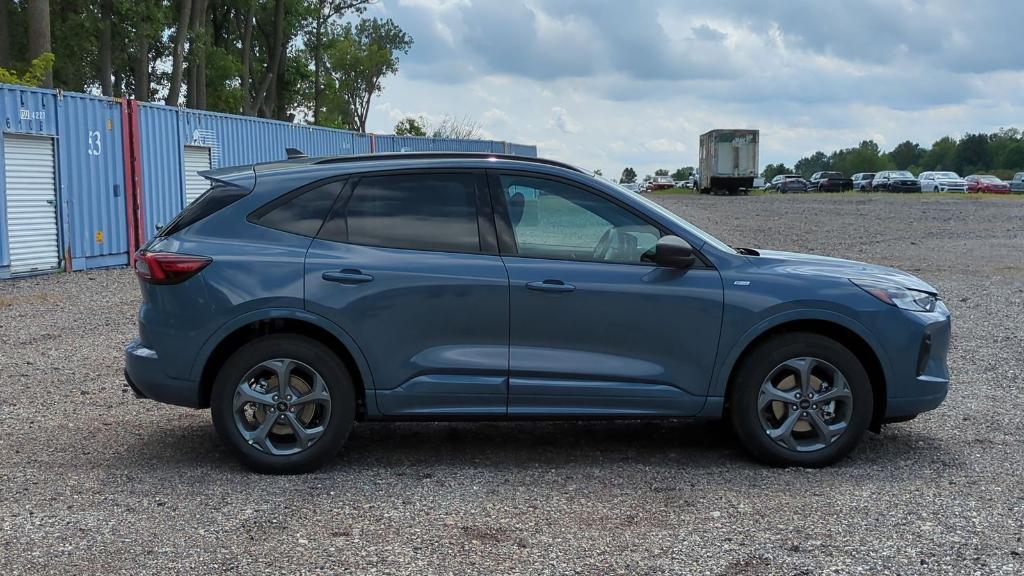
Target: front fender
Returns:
[[720, 379], [234, 324]]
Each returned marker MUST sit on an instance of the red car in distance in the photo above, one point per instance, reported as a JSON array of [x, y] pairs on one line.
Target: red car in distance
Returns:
[[661, 183], [980, 183]]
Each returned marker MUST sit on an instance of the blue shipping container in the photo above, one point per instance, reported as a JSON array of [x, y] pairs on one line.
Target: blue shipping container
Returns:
[[84, 135], [173, 139]]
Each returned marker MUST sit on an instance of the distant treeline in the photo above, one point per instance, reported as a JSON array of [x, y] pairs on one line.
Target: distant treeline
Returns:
[[1000, 153]]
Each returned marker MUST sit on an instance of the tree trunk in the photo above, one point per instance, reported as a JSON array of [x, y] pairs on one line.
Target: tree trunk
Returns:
[[250, 14], [5, 37], [140, 68], [196, 96], [318, 56], [178, 61], [275, 62], [106, 50], [39, 33]]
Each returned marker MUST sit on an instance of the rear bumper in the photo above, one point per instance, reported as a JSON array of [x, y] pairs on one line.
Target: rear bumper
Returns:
[[147, 378]]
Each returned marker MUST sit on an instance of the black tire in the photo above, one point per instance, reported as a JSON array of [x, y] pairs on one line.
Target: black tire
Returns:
[[756, 367], [316, 356]]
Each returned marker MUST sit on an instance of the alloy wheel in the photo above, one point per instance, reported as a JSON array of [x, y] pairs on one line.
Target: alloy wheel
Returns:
[[281, 407], [805, 404]]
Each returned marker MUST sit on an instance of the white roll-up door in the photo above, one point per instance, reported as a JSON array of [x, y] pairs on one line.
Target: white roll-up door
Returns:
[[197, 159], [31, 187]]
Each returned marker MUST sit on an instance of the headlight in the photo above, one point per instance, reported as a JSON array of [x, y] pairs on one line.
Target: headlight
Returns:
[[898, 296]]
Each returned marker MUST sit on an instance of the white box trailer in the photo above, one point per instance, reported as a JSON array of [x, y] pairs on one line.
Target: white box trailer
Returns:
[[728, 161]]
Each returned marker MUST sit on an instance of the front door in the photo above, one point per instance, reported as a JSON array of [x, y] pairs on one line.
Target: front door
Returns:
[[401, 266], [595, 328]]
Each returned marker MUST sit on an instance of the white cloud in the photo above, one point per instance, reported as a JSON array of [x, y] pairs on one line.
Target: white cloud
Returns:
[[605, 84], [563, 121]]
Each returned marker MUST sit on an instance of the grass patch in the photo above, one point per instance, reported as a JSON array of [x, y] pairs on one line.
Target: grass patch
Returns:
[[930, 195], [672, 191]]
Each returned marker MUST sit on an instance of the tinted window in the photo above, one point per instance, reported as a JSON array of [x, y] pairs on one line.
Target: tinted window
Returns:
[[419, 212], [558, 221], [213, 200], [300, 212]]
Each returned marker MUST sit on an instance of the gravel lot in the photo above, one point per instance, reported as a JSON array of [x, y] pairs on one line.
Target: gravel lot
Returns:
[[94, 481]]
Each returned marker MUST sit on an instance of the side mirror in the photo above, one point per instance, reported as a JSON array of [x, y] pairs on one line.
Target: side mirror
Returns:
[[673, 252]]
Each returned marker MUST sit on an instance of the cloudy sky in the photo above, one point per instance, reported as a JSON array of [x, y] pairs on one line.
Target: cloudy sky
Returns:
[[610, 83]]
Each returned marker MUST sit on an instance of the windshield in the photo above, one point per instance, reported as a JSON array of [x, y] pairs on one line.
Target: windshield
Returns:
[[902, 174], [947, 176], [831, 174], [662, 179], [989, 179]]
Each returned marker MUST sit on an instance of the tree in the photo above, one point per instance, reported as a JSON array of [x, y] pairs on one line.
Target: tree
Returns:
[[360, 57], [816, 162], [325, 13], [972, 154], [683, 173], [411, 126], [5, 35], [178, 58], [598, 173], [773, 170], [628, 175], [464, 128], [661, 172], [906, 154], [940, 155], [39, 34], [34, 76]]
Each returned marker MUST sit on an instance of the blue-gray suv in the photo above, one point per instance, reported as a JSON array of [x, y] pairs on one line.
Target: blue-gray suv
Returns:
[[297, 298]]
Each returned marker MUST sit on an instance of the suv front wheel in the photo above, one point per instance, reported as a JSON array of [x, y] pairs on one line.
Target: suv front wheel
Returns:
[[283, 403], [800, 399]]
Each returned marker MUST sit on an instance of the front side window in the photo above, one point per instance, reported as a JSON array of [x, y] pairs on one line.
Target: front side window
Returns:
[[557, 221], [435, 212]]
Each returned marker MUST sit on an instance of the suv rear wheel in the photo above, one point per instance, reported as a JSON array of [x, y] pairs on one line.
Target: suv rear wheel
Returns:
[[800, 399], [283, 403]]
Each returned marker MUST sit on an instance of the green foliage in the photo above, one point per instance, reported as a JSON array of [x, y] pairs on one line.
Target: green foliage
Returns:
[[360, 56], [35, 74], [773, 170], [661, 172], [683, 173], [411, 126], [1001, 153], [628, 176]]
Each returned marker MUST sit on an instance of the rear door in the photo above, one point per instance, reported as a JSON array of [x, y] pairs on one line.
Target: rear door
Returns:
[[595, 329], [407, 265]]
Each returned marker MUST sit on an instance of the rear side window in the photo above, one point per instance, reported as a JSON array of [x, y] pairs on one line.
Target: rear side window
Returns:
[[435, 212], [218, 197], [301, 212]]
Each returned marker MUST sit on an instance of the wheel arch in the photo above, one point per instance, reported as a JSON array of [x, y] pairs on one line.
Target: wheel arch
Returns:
[[844, 330], [253, 325]]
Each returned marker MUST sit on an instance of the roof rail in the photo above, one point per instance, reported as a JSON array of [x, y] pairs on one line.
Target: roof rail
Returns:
[[441, 156]]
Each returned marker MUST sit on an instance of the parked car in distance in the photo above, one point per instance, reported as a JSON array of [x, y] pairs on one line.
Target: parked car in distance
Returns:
[[661, 183], [829, 182], [862, 181], [1017, 184], [439, 286], [984, 183], [785, 183], [631, 186], [895, 181], [941, 182]]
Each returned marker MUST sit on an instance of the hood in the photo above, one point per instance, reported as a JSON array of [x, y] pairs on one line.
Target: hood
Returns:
[[796, 263], [951, 180]]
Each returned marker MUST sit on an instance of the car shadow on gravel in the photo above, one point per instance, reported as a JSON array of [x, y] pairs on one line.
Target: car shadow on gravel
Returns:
[[511, 446]]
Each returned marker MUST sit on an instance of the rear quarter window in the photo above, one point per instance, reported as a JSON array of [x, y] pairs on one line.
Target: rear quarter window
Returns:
[[216, 198], [300, 212]]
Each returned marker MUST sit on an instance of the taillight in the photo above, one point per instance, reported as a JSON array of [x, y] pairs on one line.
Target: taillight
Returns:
[[168, 268]]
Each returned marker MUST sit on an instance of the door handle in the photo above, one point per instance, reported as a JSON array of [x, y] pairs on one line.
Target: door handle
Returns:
[[347, 276], [550, 286]]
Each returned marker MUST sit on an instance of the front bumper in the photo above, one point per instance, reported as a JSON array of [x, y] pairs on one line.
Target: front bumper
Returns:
[[920, 376], [147, 377]]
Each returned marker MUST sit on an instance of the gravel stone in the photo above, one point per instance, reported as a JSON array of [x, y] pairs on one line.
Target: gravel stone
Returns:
[[93, 481]]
